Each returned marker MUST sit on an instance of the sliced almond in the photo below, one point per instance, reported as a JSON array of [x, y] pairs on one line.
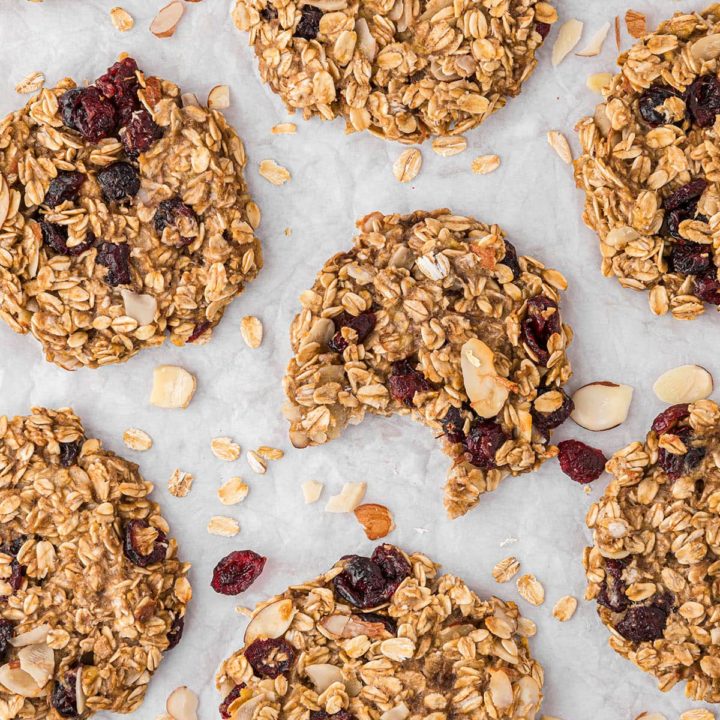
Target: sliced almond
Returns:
[[251, 329], [256, 463], [274, 173], [506, 569], [173, 387], [486, 390], [598, 82], [601, 405], [165, 22], [233, 491], [137, 439], [706, 48], [485, 164], [684, 384], [407, 165], [30, 84], [180, 483], [595, 43], [245, 708], [223, 448], [31, 637], [182, 704], [38, 661], [223, 526], [399, 712], [349, 498], [558, 142], [284, 129], [568, 37], [139, 307], [80, 699], [366, 42], [501, 690], [636, 23], [19, 682], [449, 145], [219, 97], [271, 621], [312, 490], [565, 608], [530, 589], [121, 19], [375, 519], [323, 675]]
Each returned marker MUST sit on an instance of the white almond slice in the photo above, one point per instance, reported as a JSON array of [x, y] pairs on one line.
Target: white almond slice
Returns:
[[601, 405], [189, 100], [595, 44], [272, 621], [79, 692], [568, 37], [246, 710], [558, 142], [167, 19], [38, 661], [366, 42], [684, 384], [121, 19], [350, 497], [19, 682], [31, 637], [182, 704], [335, 624], [706, 48], [399, 712], [486, 390], [323, 675], [501, 690], [219, 97], [597, 82], [312, 490], [173, 387], [139, 307]]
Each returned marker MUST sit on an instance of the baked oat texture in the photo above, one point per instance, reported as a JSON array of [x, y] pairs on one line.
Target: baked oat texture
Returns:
[[649, 166], [434, 650], [186, 262], [382, 331], [654, 564], [72, 516], [403, 70]]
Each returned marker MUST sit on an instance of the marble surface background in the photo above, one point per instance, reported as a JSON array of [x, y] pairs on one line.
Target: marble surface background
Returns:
[[336, 180]]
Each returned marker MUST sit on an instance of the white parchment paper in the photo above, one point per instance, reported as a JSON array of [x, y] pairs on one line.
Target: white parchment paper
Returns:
[[336, 180]]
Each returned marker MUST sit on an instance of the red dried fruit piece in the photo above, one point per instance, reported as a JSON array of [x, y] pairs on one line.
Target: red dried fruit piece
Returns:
[[175, 632], [542, 29], [56, 236], [17, 571], [269, 12], [643, 623], [176, 214], [670, 417], [651, 101], [511, 257], [233, 695], [198, 330], [541, 322], [270, 658], [703, 100], [7, 630], [405, 381], [140, 133], [116, 258], [133, 544], [69, 452], [309, 24], [545, 422], [371, 617], [453, 424], [682, 205], [339, 715], [63, 187], [676, 465], [119, 182], [612, 591], [690, 258], [88, 112], [64, 695], [484, 439], [362, 324], [580, 462], [120, 85], [237, 571], [707, 287]]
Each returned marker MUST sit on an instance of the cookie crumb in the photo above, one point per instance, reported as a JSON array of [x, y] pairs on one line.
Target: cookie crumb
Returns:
[[224, 448], [180, 483], [251, 329], [312, 490], [121, 19]]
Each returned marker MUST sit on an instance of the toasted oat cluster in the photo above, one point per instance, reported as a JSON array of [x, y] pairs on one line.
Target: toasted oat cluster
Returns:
[[403, 70], [654, 563], [649, 167], [382, 637], [91, 591], [124, 217], [435, 315]]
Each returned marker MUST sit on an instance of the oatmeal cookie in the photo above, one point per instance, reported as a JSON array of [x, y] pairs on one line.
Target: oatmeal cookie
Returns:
[[435, 315], [383, 638], [649, 166], [91, 591], [403, 70], [124, 217], [656, 555]]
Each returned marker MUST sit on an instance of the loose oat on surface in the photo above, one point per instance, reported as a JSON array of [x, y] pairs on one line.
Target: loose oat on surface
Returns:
[[135, 225], [649, 167], [654, 562], [429, 647], [402, 70], [94, 593], [180, 483], [384, 328]]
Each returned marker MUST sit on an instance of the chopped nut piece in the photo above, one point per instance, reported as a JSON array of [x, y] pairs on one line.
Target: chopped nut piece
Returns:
[[448, 145], [141, 308], [167, 19], [270, 453], [407, 165], [375, 519], [219, 97], [567, 38], [599, 81], [180, 483], [486, 390], [485, 164], [30, 84], [565, 608], [596, 42], [173, 387], [506, 569], [233, 491], [635, 22], [349, 498], [284, 129], [223, 526], [224, 448], [558, 142], [274, 173], [257, 464], [137, 439], [121, 19], [312, 490], [530, 589], [251, 330], [684, 384], [601, 405], [182, 704]]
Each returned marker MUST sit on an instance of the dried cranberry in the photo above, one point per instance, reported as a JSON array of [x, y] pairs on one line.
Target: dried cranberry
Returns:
[[54, 236], [270, 658], [690, 258], [580, 462], [175, 632], [140, 133], [392, 562], [17, 571], [651, 101], [88, 112], [323, 715], [484, 439], [198, 330], [237, 571], [387, 621], [69, 452], [269, 12], [643, 623], [612, 594], [665, 601], [703, 100], [453, 424], [670, 417], [309, 24], [230, 698], [685, 195], [116, 258], [133, 544], [511, 260], [63, 187], [176, 214], [120, 84], [542, 29], [542, 321], [7, 630], [118, 182], [707, 287], [64, 695], [405, 381], [675, 465], [546, 421], [362, 324]]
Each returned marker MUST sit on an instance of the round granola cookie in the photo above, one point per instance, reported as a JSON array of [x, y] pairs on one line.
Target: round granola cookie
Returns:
[[91, 591], [402, 70], [649, 167], [435, 315], [382, 638], [124, 217], [656, 554]]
